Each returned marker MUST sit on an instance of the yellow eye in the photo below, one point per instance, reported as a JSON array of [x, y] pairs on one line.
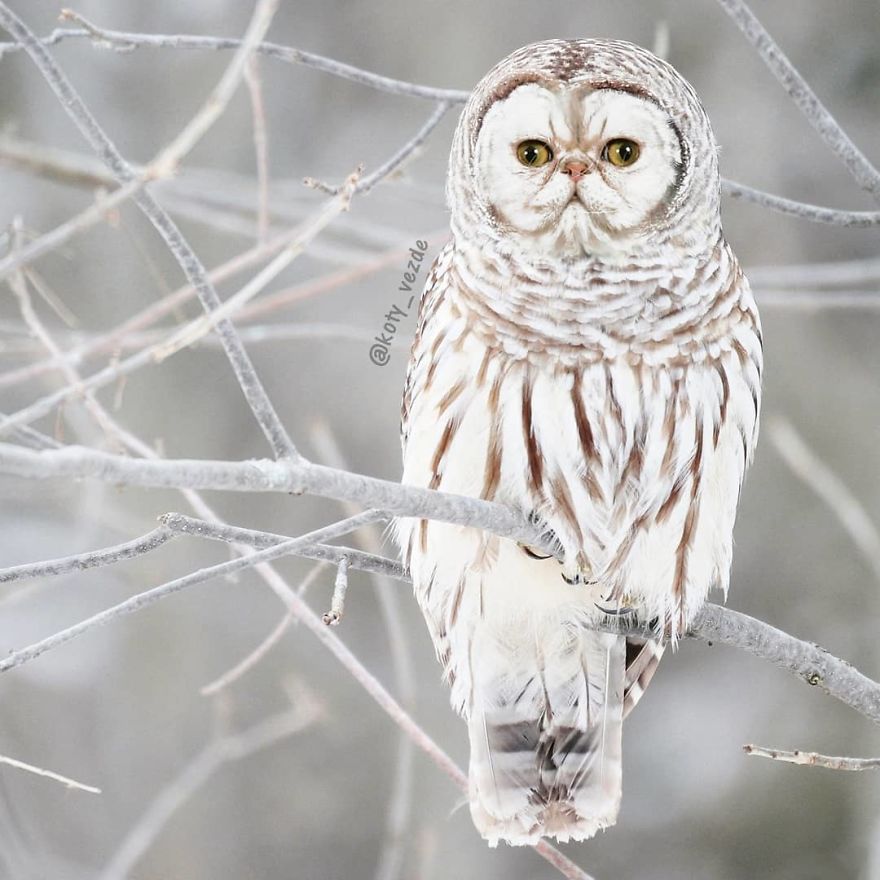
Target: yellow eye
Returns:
[[534, 153], [621, 152]]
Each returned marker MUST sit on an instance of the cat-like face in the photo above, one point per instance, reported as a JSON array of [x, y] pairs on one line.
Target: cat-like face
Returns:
[[570, 171]]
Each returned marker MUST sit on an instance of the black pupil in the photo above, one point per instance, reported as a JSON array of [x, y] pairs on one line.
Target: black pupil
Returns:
[[625, 151], [531, 154]]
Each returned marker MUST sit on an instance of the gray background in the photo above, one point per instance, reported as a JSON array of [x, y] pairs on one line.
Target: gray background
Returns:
[[120, 708]]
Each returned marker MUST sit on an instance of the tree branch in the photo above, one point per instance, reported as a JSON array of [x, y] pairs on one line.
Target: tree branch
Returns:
[[829, 129], [813, 759]]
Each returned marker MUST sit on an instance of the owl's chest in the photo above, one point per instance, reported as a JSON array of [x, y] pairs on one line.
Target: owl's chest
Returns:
[[577, 444]]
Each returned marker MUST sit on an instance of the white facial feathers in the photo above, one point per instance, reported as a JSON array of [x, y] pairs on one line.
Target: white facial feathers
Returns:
[[605, 210]]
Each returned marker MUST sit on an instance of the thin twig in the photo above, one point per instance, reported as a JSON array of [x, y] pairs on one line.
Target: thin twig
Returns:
[[253, 658], [392, 164], [814, 213], [49, 774], [865, 174], [813, 759], [340, 587]]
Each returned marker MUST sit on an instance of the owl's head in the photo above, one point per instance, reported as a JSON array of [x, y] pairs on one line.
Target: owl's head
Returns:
[[586, 147]]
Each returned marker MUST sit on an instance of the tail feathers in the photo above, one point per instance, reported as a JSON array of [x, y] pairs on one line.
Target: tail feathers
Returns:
[[548, 763]]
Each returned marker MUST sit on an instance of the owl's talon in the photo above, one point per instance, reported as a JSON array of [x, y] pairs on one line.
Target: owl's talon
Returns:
[[531, 553], [572, 581], [615, 612]]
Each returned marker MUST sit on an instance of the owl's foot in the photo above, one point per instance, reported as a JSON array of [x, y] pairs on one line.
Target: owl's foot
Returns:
[[548, 540]]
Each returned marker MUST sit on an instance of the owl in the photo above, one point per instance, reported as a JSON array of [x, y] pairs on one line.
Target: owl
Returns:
[[589, 353]]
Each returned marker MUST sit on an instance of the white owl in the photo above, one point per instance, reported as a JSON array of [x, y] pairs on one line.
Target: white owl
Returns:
[[589, 353]]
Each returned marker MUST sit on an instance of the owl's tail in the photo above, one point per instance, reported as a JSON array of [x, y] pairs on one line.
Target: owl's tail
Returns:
[[546, 737]]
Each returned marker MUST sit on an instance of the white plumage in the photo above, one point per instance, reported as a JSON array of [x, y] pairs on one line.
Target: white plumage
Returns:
[[589, 353]]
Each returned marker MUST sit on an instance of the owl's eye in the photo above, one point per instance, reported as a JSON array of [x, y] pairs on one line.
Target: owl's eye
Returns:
[[621, 152], [534, 153]]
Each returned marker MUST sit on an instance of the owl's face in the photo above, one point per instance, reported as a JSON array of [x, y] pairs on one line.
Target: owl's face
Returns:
[[573, 170]]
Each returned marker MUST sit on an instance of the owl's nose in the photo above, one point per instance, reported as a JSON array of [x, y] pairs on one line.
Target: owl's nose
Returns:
[[575, 169]]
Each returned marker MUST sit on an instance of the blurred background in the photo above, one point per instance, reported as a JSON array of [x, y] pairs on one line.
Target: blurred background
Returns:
[[121, 708]]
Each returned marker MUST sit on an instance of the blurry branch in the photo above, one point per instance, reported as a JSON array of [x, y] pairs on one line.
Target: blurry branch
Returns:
[[48, 774], [806, 660], [813, 759], [166, 162], [808, 467], [224, 750], [253, 658], [865, 174], [51, 241], [261, 145]]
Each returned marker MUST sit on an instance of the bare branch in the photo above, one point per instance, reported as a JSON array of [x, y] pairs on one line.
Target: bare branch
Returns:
[[815, 213], [813, 759], [193, 331], [49, 774], [865, 174], [84, 561], [806, 660], [340, 588]]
